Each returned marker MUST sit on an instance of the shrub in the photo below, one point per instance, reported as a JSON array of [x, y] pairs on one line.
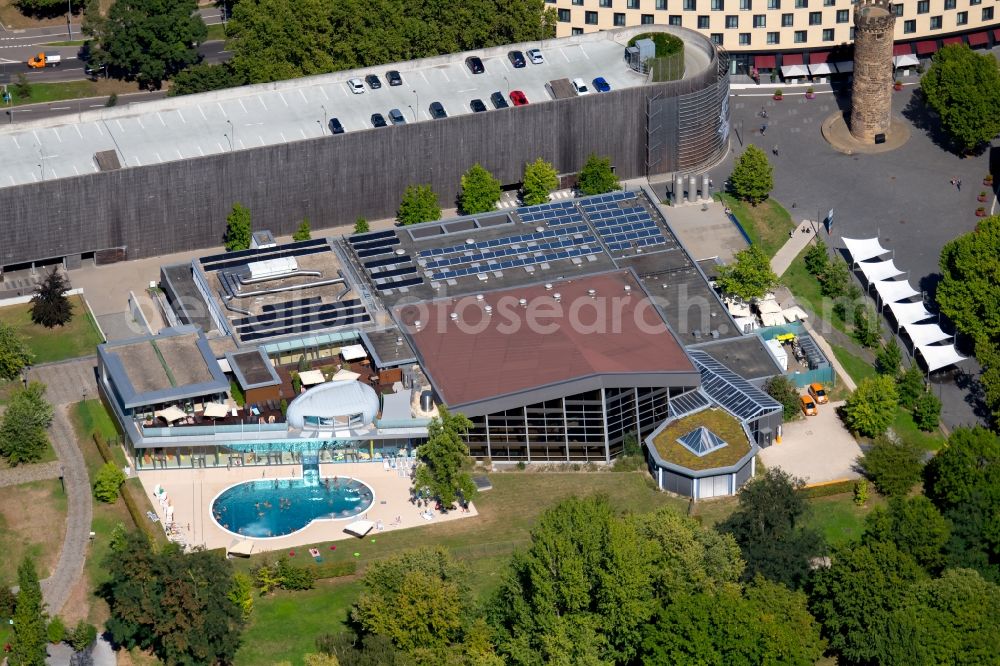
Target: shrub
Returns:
[[927, 411], [304, 232], [292, 577], [816, 259], [296, 383], [237, 393], [107, 482], [861, 492], [361, 226], [783, 390], [894, 467], [866, 327], [56, 630], [83, 636], [889, 358], [7, 602]]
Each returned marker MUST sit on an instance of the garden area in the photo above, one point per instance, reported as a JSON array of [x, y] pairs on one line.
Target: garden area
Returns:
[[77, 338], [767, 224]]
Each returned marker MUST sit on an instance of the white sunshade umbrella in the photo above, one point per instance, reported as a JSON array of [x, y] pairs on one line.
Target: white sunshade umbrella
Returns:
[[862, 249], [311, 377], [215, 410], [353, 353], [171, 414]]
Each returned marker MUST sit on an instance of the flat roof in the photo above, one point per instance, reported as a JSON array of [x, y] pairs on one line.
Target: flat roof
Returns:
[[252, 368], [194, 126], [747, 356], [715, 420], [532, 340]]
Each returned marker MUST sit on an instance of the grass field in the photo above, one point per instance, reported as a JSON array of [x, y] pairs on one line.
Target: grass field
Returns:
[[767, 224], [908, 430], [71, 90], [77, 338], [857, 368], [91, 417], [838, 518], [216, 32], [32, 520]]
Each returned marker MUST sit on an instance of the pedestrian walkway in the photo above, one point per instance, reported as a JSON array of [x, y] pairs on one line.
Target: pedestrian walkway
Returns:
[[797, 241]]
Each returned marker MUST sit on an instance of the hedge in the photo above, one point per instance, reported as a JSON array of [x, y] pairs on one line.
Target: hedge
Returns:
[[825, 490], [132, 496]]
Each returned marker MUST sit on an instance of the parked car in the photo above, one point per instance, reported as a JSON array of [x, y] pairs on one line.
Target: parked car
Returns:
[[601, 84], [373, 82], [535, 56], [393, 77], [475, 65], [356, 85], [437, 111], [516, 59], [818, 393], [335, 126], [477, 106], [518, 98], [581, 87], [808, 406], [498, 100], [396, 116], [378, 120]]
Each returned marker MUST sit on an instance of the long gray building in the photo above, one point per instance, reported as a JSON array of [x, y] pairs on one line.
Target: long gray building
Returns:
[[131, 182]]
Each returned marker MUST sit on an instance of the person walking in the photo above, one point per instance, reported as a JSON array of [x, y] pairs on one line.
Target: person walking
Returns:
[[775, 150], [958, 184]]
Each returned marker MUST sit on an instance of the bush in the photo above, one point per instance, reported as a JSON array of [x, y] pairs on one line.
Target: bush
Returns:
[[861, 492], [237, 393], [292, 577], [56, 631], [304, 232], [665, 44], [816, 259], [783, 390], [894, 467], [107, 482], [866, 328], [927, 411], [361, 225], [296, 383], [83, 636], [7, 602]]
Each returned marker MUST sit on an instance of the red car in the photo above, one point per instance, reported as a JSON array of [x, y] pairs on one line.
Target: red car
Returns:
[[517, 98]]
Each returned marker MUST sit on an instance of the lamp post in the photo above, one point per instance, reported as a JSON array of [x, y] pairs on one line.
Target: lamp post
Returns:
[[413, 112], [508, 85], [232, 139], [69, 18], [416, 103], [325, 118]]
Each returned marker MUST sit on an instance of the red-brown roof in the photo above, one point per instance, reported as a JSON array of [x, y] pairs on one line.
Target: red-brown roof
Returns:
[[522, 347]]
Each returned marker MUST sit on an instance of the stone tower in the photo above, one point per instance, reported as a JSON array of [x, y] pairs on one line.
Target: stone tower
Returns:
[[871, 95]]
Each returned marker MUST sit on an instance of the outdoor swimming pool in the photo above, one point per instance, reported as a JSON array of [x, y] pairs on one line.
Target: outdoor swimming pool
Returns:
[[276, 507]]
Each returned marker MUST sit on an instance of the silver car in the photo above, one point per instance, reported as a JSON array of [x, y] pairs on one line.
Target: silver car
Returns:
[[396, 117]]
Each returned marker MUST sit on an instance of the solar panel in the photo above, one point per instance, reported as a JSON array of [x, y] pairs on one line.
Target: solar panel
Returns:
[[380, 242], [287, 252], [735, 394], [260, 252], [271, 307], [375, 235]]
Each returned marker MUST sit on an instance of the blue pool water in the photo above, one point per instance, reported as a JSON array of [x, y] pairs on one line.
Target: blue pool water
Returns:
[[276, 507]]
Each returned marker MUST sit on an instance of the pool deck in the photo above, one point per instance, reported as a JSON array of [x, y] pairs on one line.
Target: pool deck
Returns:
[[191, 492]]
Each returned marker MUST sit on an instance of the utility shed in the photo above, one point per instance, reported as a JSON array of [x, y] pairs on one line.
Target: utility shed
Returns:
[[560, 89]]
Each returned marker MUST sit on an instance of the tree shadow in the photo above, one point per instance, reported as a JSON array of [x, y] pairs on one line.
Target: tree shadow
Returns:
[[924, 118]]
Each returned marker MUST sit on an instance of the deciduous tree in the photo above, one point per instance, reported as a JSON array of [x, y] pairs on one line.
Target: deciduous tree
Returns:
[[49, 305], [870, 410], [963, 87], [889, 358], [927, 411], [444, 459], [238, 229], [22, 429], [204, 77], [893, 466], [783, 390], [28, 643], [915, 526], [419, 204], [910, 385], [14, 352], [539, 179], [480, 191], [969, 291], [753, 177], [597, 176], [749, 276]]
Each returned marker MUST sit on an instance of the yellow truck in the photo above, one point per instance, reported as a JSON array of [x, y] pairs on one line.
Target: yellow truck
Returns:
[[43, 60]]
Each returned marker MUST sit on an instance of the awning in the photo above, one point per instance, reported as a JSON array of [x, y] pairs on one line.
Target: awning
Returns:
[[952, 40], [170, 414], [791, 71], [224, 365], [879, 270], [925, 334], [345, 376], [763, 61], [791, 59], [895, 290], [845, 67], [353, 352], [819, 63], [926, 47], [907, 60], [768, 307], [214, 410], [996, 35], [937, 357], [359, 528], [311, 377], [772, 319], [978, 39], [901, 49], [909, 313], [862, 249], [241, 547], [794, 313]]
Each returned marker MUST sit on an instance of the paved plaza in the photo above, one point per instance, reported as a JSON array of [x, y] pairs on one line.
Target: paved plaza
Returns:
[[816, 448]]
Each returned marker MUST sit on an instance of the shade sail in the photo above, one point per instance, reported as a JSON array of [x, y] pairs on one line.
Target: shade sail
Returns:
[[939, 356], [794, 313], [772, 319], [862, 249], [925, 334], [353, 352], [895, 290], [791, 71], [345, 376], [905, 60], [170, 414], [311, 377], [214, 410], [359, 528], [909, 313], [879, 270]]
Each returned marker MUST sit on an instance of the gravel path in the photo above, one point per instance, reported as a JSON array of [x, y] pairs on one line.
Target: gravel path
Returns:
[[28, 473]]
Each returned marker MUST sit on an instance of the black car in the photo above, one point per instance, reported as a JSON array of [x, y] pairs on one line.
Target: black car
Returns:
[[477, 106], [475, 65], [393, 77], [498, 100], [517, 59], [378, 120], [437, 111], [335, 126], [373, 82]]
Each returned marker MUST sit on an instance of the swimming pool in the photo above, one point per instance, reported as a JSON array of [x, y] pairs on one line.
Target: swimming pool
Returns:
[[277, 507]]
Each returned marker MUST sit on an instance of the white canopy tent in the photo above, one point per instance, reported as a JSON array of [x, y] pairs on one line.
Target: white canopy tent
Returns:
[[905, 60], [939, 356], [214, 410], [359, 528], [909, 313], [895, 290], [345, 376], [353, 352], [311, 377], [925, 334], [880, 270], [170, 414], [862, 249]]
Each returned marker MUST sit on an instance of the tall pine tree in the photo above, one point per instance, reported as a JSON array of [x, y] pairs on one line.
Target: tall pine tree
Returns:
[[49, 305], [28, 644]]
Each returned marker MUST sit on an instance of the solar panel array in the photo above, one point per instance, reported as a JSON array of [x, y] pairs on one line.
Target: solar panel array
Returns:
[[300, 317], [622, 229], [687, 403], [553, 214], [392, 269], [735, 394], [505, 253], [374, 244], [240, 258]]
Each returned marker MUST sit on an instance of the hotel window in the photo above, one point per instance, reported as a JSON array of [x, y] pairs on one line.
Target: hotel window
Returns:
[[718, 5], [987, 13], [829, 3], [564, 16], [909, 27], [949, 4], [815, 18], [851, 36], [746, 5], [590, 18], [690, 5], [675, 19], [843, 15], [759, 21], [961, 18], [632, 4], [773, 38], [774, 4], [717, 38], [975, 2], [619, 19], [577, 31], [577, 2], [935, 23], [787, 20], [897, 9], [800, 36], [647, 19], [703, 23], [732, 22], [827, 34], [801, 4], [606, 4], [744, 39], [923, 6], [661, 4]]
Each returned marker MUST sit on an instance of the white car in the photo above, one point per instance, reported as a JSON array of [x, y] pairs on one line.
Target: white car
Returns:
[[357, 86], [535, 56], [581, 87]]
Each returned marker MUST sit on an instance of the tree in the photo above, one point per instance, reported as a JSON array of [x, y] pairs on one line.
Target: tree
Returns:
[[303, 233], [915, 526], [969, 291], [835, 279], [539, 179], [55, 632], [597, 176], [14, 352], [44, 8], [22, 86], [22, 429], [963, 87], [107, 482], [204, 77], [889, 359], [749, 276], [893, 466], [370, 650], [444, 459], [49, 305], [149, 41], [988, 355], [238, 229], [866, 327], [480, 191], [783, 390], [870, 410], [927, 411], [767, 527], [816, 258], [241, 594], [28, 642], [419, 204], [174, 604], [361, 226], [83, 636], [910, 386], [753, 177]]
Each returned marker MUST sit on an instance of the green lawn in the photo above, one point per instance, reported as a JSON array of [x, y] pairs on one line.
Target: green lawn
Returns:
[[857, 368], [838, 518], [77, 338], [91, 417], [805, 288], [216, 32], [75, 42], [32, 519], [70, 90], [908, 430], [767, 224]]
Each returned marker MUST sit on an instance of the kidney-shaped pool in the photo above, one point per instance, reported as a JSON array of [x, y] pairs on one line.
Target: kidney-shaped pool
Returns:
[[276, 507]]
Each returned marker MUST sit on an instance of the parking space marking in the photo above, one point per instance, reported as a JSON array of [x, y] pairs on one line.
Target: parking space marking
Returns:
[[302, 94], [325, 96], [160, 118], [283, 98], [181, 116], [243, 107]]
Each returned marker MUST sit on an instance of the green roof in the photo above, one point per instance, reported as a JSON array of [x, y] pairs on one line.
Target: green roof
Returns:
[[721, 424]]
